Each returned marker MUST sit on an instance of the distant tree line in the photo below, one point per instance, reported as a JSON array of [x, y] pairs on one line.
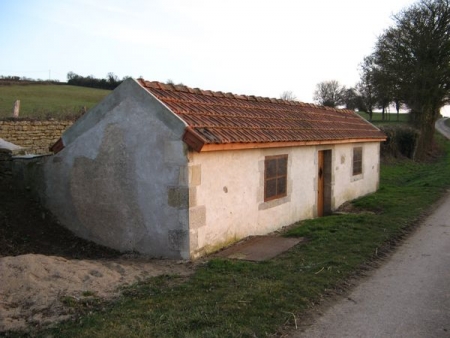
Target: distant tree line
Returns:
[[110, 82], [367, 95], [22, 80], [16, 78]]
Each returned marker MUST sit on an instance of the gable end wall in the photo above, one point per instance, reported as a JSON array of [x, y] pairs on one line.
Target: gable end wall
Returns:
[[121, 179]]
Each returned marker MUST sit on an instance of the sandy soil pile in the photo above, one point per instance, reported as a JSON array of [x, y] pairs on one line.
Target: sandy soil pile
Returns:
[[41, 263], [32, 285]]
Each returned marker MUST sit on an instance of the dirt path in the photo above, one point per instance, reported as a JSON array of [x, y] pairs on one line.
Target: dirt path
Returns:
[[442, 127], [33, 287]]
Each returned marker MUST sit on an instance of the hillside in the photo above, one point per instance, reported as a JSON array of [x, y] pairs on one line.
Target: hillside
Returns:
[[44, 101]]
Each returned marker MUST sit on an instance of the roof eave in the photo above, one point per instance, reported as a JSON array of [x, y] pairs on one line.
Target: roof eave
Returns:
[[57, 146], [200, 146], [193, 140]]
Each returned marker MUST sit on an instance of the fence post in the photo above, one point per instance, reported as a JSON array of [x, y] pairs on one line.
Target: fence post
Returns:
[[16, 108]]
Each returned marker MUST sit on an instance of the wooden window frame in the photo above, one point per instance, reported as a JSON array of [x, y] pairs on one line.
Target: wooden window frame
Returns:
[[283, 176], [357, 167]]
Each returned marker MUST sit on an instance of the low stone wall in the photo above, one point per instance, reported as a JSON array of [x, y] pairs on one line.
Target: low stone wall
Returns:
[[35, 136]]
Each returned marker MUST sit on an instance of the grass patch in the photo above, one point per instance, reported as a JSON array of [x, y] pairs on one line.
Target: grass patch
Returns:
[[42, 101], [244, 299], [389, 117]]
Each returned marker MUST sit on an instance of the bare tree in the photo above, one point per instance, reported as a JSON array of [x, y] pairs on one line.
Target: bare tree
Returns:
[[112, 78], [288, 95], [366, 86], [352, 99], [171, 82], [329, 93]]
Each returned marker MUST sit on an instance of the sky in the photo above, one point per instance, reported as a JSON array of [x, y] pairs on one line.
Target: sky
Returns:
[[252, 47]]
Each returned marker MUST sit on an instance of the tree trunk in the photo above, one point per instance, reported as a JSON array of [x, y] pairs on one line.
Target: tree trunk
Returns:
[[424, 143], [397, 107], [424, 122]]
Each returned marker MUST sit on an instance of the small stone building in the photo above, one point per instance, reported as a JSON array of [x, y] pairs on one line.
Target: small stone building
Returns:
[[176, 172]]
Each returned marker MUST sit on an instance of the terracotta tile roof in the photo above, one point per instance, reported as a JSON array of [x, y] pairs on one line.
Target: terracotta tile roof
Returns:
[[216, 118]]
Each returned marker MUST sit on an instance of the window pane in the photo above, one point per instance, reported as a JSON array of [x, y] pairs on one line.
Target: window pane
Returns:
[[282, 166], [271, 188], [281, 186], [357, 154], [357, 161], [271, 168], [357, 168]]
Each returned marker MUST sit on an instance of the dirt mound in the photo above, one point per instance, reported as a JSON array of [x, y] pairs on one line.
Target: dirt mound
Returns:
[[34, 287], [41, 270]]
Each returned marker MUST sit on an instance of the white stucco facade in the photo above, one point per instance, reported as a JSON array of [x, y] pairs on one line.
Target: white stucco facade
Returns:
[[227, 190]]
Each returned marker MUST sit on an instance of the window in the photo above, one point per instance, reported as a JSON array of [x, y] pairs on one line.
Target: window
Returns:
[[357, 161], [275, 177]]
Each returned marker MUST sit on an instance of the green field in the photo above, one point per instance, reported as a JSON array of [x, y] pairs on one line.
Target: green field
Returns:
[[45, 101], [389, 118]]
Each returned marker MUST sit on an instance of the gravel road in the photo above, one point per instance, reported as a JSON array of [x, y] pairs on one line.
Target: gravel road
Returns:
[[442, 128]]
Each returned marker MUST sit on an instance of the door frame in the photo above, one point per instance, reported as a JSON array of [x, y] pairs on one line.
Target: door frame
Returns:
[[324, 180]]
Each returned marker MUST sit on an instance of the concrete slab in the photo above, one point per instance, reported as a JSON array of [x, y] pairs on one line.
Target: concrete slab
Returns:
[[259, 248]]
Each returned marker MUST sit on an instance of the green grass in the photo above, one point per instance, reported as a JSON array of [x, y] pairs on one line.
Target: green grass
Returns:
[[389, 118], [45, 101], [243, 299]]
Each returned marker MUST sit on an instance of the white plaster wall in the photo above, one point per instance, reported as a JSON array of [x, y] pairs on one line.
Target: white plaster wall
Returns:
[[231, 195], [348, 187], [227, 191]]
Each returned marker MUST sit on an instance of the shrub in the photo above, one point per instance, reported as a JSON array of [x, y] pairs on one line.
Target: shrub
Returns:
[[401, 141]]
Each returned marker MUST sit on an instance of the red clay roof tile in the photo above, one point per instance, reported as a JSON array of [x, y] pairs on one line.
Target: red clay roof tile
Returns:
[[219, 118]]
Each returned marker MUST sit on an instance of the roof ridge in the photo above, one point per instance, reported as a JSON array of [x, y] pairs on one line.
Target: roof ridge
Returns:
[[186, 89]]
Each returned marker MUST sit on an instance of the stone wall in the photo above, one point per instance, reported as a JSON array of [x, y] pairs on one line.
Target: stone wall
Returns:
[[35, 136]]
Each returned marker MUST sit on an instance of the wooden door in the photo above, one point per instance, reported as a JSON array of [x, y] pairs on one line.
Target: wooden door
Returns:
[[320, 184]]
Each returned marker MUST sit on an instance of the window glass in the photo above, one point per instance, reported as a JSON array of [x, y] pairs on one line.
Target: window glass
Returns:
[[275, 177], [271, 188], [357, 161], [282, 166], [281, 185], [271, 168]]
